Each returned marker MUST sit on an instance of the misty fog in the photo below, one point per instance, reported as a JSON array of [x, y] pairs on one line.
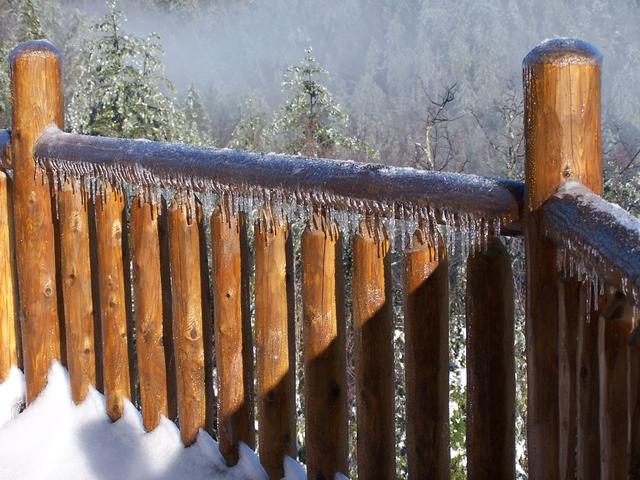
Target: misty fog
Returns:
[[384, 55]]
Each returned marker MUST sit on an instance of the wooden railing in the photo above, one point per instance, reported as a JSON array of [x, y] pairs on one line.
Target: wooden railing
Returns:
[[110, 240]]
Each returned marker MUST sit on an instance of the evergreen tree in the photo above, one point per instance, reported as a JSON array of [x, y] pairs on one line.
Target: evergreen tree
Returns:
[[29, 18], [249, 132], [310, 122], [121, 90], [197, 124]]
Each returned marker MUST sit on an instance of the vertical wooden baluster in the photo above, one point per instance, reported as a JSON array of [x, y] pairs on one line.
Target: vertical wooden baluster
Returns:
[[426, 304], [9, 348], [37, 103], [614, 329], [186, 293], [207, 327], [325, 386], [633, 383], [568, 296], [275, 356], [562, 127], [95, 293], [76, 288], [167, 310], [150, 335], [234, 356], [587, 396], [113, 305], [373, 326], [491, 388]]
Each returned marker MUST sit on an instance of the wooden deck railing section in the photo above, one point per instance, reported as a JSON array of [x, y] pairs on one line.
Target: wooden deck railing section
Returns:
[[82, 258]]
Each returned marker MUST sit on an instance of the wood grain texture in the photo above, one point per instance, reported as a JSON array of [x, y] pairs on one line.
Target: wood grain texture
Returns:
[[587, 393], [110, 207], [614, 328], [491, 388], [426, 304], [563, 119], [77, 288], [562, 136], [9, 331], [187, 329], [568, 297], [325, 386], [633, 359], [150, 334], [167, 310], [275, 347], [234, 356], [37, 102], [373, 329]]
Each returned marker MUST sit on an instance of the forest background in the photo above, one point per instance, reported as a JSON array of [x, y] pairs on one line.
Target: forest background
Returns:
[[423, 83]]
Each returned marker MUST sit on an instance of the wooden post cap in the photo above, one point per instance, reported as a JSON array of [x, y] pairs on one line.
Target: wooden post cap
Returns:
[[564, 51], [562, 118], [34, 48]]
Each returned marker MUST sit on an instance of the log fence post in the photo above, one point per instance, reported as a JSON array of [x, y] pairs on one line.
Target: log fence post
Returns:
[[325, 382], [426, 317], [234, 354], [36, 91], [187, 328], [562, 137], [373, 328], [9, 330], [615, 326], [110, 211], [491, 387], [275, 347], [77, 288], [150, 335]]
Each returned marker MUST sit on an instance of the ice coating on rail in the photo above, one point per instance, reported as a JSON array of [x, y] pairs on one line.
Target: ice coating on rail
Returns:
[[599, 242], [272, 189]]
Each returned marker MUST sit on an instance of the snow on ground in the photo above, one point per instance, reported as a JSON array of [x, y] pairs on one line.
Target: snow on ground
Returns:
[[54, 439]]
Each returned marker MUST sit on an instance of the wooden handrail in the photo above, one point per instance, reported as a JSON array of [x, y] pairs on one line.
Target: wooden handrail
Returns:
[[606, 236], [345, 184]]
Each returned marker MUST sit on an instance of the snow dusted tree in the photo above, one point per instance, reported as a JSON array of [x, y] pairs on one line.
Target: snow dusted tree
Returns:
[[310, 122], [30, 21], [122, 91], [197, 129], [249, 132]]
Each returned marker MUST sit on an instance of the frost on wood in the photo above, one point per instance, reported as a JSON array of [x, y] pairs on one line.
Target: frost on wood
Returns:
[[289, 188], [599, 242]]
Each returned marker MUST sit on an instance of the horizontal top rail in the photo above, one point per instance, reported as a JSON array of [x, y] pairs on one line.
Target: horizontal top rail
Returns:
[[340, 184], [604, 237], [5, 150]]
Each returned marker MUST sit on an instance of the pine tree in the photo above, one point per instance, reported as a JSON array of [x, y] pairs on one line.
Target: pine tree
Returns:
[[249, 132], [197, 124], [121, 90], [29, 18], [310, 122]]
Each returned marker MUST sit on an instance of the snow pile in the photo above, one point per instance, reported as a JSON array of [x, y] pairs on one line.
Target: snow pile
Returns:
[[11, 396], [54, 439]]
